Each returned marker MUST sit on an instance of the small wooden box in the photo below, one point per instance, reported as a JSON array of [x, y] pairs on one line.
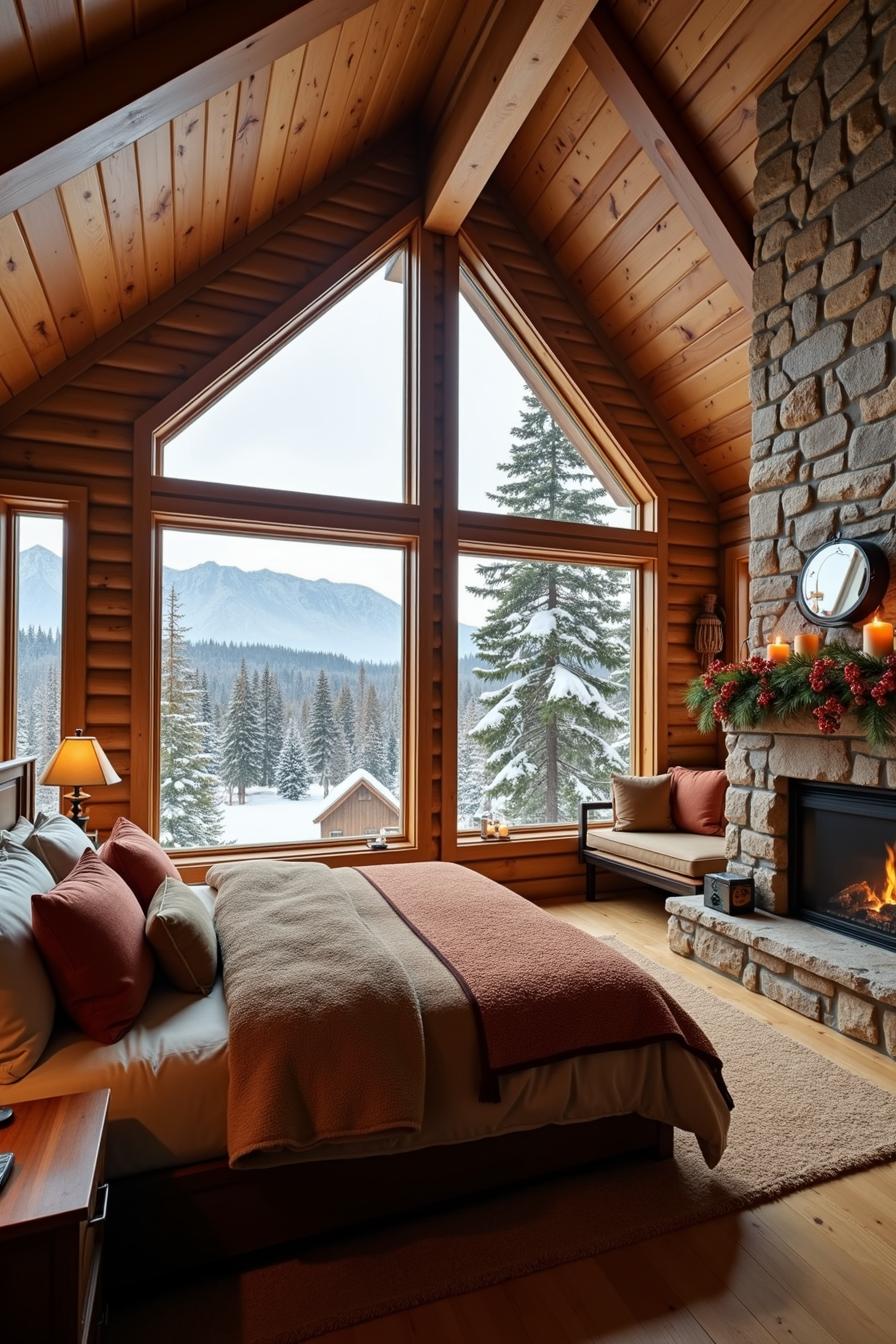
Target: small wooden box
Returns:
[[730, 893]]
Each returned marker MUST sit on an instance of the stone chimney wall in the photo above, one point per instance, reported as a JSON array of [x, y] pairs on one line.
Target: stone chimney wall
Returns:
[[823, 353], [823, 386]]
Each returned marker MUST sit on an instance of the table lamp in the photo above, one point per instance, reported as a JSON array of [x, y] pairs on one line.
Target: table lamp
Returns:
[[78, 760]]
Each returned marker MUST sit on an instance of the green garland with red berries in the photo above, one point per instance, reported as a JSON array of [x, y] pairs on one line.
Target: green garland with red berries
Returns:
[[741, 696]]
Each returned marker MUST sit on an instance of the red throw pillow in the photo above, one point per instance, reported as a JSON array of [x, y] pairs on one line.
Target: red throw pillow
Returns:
[[90, 931], [698, 800], [139, 859]]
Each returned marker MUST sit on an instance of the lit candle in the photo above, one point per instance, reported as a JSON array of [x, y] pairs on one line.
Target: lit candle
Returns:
[[877, 638], [807, 643], [778, 651]]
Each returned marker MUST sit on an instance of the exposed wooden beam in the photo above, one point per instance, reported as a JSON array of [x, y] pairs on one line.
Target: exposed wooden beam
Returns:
[[506, 76], [654, 123], [61, 128]]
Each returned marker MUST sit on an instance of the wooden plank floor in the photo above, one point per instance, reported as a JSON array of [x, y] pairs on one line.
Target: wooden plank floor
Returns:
[[818, 1267]]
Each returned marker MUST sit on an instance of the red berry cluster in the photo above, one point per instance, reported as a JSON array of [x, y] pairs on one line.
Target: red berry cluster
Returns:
[[852, 675], [886, 685], [818, 674], [829, 715], [726, 694]]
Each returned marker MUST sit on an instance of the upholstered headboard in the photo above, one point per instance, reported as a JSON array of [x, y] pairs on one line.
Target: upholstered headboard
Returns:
[[16, 791]]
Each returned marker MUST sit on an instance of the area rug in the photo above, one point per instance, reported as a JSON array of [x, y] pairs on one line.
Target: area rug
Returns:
[[798, 1120]]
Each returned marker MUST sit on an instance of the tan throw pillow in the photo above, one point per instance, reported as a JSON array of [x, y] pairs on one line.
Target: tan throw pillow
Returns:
[[27, 1001], [182, 935], [642, 803], [58, 843]]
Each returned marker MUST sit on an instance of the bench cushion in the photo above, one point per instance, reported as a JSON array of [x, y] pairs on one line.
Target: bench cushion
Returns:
[[676, 852]]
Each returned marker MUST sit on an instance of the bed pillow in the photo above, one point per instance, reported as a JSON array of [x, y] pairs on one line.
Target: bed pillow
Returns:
[[181, 932], [58, 843], [27, 1004], [89, 929], [641, 803], [698, 800], [137, 858], [21, 831]]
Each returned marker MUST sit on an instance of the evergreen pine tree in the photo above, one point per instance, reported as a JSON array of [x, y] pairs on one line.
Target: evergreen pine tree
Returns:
[[373, 752], [393, 769], [344, 709], [241, 743], [340, 758], [471, 768], [293, 774], [361, 708], [271, 715], [189, 805], [554, 644], [321, 728]]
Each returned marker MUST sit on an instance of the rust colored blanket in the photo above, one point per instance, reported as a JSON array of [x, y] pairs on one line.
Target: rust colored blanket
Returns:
[[541, 989]]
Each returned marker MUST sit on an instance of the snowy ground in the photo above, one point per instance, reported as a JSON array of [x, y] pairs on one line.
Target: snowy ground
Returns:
[[269, 819]]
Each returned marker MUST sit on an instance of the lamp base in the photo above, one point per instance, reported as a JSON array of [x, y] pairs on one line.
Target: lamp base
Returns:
[[76, 798]]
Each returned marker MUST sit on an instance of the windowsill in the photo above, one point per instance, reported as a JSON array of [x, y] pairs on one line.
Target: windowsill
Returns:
[[192, 867], [559, 839]]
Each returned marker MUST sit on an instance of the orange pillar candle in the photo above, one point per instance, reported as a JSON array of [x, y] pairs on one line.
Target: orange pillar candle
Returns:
[[877, 638], [807, 643], [778, 651]]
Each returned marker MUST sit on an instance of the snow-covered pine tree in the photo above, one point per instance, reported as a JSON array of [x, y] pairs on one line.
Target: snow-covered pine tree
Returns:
[[555, 642], [293, 774], [360, 707], [271, 715], [241, 742], [321, 727], [471, 768], [393, 768], [344, 709], [373, 748], [341, 762], [189, 803]]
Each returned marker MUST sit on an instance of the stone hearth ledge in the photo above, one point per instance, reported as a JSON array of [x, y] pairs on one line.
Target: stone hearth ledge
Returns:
[[826, 976]]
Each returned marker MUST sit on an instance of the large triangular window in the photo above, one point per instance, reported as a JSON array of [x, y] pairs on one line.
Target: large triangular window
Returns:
[[521, 450], [324, 414]]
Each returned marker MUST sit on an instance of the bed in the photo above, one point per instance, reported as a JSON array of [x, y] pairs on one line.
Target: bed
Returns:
[[175, 1200]]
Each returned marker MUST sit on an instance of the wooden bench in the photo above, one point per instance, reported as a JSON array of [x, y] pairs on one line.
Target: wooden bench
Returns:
[[675, 861]]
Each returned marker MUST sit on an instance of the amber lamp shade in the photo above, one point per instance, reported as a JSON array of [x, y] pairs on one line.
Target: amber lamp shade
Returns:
[[78, 760]]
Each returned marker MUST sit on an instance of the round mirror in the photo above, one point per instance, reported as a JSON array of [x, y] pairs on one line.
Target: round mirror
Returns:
[[842, 582]]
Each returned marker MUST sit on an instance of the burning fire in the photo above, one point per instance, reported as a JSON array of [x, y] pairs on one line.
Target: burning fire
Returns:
[[863, 900]]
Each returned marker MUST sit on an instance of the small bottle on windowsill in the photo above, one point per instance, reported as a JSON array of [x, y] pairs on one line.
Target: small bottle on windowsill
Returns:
[[484, 825]]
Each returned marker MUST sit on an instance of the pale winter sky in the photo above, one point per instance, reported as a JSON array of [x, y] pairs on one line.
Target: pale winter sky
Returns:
[[40, 532], [296, 424]]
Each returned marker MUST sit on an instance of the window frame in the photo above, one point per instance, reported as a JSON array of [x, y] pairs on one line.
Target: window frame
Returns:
[[19, 498], [491, 535], [175, 502], [283, 530]]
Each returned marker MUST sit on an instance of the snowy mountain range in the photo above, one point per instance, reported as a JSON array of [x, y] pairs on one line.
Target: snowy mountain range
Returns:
[[40, 588], [230, 605]]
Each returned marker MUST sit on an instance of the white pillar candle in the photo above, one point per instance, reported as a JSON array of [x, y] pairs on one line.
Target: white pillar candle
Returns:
[[807, 643]]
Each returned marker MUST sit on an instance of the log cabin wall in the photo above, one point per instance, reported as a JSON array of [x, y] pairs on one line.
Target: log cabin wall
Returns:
[[79, 430]]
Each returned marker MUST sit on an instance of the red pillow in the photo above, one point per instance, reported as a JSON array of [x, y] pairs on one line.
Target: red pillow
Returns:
[[698, 800], [139, 859], [89, 930]]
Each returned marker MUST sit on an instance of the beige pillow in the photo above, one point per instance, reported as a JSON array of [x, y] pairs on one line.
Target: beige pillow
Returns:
[[58, 843], [27, 1001], [182, 934], [642, 803]]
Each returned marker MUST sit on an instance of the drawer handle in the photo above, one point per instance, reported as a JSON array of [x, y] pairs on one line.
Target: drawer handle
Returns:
[[102, 1193]]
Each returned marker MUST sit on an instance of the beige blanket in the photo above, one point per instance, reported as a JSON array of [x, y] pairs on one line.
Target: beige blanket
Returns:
[[330, 1055]]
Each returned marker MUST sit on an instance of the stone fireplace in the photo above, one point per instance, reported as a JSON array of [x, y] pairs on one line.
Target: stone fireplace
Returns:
[[823, 387]]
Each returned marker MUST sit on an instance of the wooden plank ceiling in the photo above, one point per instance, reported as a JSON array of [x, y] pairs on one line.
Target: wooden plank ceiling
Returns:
[[80, 259], [579, 178]]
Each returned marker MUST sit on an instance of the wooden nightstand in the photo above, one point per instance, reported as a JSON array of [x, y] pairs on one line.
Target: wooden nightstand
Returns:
[[52, 1210]]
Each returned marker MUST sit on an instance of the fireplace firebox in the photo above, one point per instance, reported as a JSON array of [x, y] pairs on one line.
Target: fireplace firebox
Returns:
[[842, 859]]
